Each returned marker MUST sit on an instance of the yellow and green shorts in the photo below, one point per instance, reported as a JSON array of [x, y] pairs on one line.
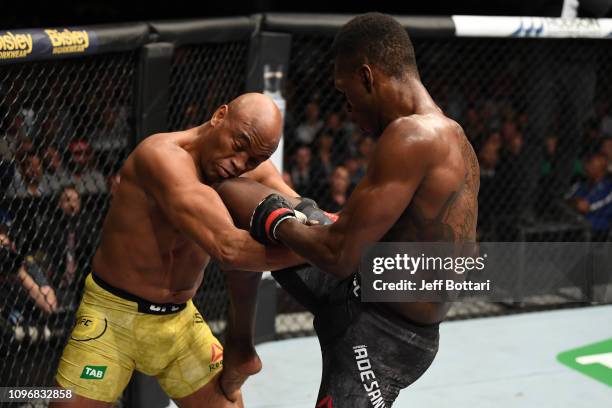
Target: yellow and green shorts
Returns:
[[116, 332]]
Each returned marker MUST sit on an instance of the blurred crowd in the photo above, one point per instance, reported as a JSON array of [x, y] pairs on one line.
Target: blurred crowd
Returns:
[[59, 165], [326, 156]]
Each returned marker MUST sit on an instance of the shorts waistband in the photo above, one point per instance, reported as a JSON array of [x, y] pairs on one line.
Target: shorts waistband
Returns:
[[144, 306]]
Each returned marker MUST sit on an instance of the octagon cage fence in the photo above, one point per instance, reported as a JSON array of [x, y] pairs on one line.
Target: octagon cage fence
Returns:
[[532, 94]]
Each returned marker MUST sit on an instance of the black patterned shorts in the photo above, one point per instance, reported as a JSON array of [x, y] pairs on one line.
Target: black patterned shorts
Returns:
[[369, 353]]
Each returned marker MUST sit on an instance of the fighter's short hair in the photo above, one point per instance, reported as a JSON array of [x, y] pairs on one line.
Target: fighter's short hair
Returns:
[[377, 39]]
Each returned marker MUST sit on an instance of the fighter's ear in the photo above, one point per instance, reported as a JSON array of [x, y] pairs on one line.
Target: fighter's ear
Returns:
[[367, 79], [219, 115]]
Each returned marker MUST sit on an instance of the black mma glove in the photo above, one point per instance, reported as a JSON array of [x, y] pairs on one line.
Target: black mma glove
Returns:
[[267, 216], [310, 208]]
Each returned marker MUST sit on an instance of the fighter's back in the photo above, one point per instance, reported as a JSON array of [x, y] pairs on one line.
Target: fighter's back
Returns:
[[445, 205], [140, 249]]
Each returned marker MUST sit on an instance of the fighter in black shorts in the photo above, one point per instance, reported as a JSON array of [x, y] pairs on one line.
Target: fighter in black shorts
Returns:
[[421, 185]]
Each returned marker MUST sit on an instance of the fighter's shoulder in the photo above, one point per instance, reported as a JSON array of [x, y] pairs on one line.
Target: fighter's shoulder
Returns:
[[419, 133], [422, 126], [159, 158], [159, 149]]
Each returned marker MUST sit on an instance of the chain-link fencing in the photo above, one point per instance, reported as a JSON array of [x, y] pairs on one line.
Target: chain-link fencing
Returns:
[[536, 111], [64, 131]]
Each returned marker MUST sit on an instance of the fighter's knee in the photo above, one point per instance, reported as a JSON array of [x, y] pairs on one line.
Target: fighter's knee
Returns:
[[241, 196]]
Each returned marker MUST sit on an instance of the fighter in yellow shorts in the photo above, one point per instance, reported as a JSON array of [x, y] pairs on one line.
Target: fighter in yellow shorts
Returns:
[[165, 223], [112, 338]]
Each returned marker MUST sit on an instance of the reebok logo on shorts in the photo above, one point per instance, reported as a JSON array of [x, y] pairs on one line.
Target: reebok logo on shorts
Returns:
[[216, 357], [368, 379], [93, 372]]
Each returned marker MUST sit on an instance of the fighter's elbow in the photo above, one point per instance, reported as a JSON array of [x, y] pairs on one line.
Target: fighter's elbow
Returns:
[[228, 251], [227, 256]]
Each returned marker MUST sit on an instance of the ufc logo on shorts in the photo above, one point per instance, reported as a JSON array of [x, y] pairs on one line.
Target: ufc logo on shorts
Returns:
[[367, 376]]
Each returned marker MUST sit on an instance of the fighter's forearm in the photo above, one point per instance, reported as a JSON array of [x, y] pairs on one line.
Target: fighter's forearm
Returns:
[[316, 244], [241, 252]]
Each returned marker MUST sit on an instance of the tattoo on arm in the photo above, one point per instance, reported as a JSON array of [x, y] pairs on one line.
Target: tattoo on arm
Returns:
[[436, 229]]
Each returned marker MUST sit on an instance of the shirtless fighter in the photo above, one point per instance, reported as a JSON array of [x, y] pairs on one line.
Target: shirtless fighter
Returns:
[[164, 225], [421, 185]]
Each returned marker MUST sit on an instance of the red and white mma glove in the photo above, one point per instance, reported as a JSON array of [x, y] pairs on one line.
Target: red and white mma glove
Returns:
[[267, 216]]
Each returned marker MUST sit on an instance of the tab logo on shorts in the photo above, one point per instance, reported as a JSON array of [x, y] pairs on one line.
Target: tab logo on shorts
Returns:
[[93, 372], [216, 357]]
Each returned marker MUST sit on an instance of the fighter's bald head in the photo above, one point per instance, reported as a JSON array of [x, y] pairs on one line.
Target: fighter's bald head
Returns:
[[260, 116], [239, 136]]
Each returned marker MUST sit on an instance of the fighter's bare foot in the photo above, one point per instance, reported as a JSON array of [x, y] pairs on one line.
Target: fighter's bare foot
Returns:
[[240, 361]]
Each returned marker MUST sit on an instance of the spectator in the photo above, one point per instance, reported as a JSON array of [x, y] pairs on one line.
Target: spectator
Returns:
[[24, 147], [546, 191], [55, 127], [353, 144], [474, 127], [25, 272], [112, 131], [54, 174], [488, 157], [12, 130], [28, 181], [550, 154], [306, 132], [72, 238], [511, 168], [593, 197], [510, 132], [606, 149], [28, 195], [490, 115], [303, 174], [85, 177], [495, 139], [336, 195], [341, 138], [364, 153], [602, 109], [324, 161], [592, 136], [7, 139], [366, 148], [351, 164]]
